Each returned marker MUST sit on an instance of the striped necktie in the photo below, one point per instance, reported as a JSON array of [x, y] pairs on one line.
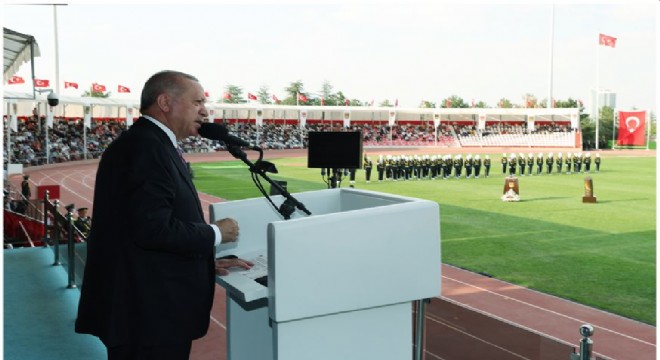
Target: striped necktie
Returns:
[[180, 152]]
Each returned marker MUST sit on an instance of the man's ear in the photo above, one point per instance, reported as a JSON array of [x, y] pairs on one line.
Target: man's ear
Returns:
[[164, 102]]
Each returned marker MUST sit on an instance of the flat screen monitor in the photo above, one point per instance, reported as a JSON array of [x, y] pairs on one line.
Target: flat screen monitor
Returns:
[[334, 150]]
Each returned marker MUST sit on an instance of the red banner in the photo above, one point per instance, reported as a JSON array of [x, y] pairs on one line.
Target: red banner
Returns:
[[631, 128]]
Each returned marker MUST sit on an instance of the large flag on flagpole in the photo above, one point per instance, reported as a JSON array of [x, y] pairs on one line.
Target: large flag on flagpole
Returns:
[[606, 40], [632, 125]]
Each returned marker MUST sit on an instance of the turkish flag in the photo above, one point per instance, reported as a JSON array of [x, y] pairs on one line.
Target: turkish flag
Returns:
[[606, 40], [123, 89], [448, 103], [70, 84], [227, 96], [396, 102], [41, 83], [631, 128], [322, 102], [276, 99], [15, 80], [206, 94], [346, 102], [252, 96], [302, 97], [98, 88]]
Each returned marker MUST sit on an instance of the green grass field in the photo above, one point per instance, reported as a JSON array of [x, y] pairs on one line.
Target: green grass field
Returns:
[[602, 254]]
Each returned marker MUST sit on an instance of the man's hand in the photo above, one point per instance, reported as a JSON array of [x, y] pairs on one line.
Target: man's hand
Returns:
[[229, 229], [222, 265]]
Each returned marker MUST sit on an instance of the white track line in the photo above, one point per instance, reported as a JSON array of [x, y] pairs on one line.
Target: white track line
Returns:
[[549, 311]]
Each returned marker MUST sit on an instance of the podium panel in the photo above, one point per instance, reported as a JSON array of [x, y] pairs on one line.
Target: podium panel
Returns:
[[340, 282]]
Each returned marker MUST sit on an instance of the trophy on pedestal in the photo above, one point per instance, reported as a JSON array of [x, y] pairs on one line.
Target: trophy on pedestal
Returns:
[[588, 191], [511, 190]]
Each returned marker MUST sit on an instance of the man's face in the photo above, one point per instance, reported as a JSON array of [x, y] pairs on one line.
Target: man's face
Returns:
[[188, 110]]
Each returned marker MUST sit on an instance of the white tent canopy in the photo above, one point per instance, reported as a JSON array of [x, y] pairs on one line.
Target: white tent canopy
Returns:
[[18, 49]]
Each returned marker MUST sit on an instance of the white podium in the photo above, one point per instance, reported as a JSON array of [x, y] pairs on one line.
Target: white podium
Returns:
[[340, 282]]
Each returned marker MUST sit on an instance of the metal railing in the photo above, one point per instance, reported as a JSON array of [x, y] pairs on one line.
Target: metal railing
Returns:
[[61, 227]]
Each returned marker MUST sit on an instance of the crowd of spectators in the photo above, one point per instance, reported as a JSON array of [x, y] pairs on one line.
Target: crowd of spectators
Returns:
[[66, 140], [67, 137]]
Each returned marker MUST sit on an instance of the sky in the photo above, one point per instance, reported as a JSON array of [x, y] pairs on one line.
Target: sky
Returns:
[[369, 51]]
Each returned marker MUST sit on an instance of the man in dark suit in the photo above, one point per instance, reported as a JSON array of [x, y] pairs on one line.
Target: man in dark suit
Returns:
[[149, 279]]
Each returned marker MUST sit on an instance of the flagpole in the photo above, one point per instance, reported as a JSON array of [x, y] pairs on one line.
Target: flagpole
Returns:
[[552, 41], [648, 127], [597, 88], [614, 120]]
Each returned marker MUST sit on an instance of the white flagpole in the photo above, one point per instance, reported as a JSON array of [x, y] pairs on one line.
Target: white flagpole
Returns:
[[552, 40], [648, 128], [597, 88]]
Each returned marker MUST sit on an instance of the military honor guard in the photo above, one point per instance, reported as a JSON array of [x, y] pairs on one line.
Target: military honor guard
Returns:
[[577, 162], [521, 164], [512, 164], [587, 162], [530, 163], [487, 165], [539, 163], [504, 163], [560, 162], [368, 165], [388, 167], [549, 162], [597, 162], [458, 166], [468, 166], [83, 222], [380, 167], [477, 166]]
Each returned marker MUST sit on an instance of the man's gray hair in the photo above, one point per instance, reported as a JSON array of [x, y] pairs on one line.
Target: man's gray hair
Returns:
[[166, 81]]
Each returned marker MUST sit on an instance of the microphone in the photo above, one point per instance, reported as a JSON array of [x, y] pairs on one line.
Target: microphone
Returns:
[[220, 132]]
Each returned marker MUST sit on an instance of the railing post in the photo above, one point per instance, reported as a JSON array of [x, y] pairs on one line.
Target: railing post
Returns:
[[420, 325], [56, 234], [586, 344], [46, 218], [71, 250]]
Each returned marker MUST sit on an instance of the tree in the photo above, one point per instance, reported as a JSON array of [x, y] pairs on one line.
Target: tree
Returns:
[[385, 103], [96, 94], [263, 96], [294, 89], [454, 101], [427, 104], [530, 101], [505, 103], [233, 95], [326, 90]]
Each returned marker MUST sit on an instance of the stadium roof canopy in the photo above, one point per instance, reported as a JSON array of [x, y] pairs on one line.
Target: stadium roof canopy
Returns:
[[18, 49]]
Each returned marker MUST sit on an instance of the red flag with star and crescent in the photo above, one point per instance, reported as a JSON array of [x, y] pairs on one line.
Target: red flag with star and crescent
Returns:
[[606, 40], [41, 83], [68, 84], [98, 87], [15, 80], [632, 125], [123, 89]]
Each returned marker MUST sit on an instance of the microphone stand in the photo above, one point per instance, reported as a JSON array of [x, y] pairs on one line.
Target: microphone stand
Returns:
[[290, 204]]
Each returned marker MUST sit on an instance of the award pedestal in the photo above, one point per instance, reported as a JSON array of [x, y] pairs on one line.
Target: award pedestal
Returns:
[[588, 191], [511, 189]]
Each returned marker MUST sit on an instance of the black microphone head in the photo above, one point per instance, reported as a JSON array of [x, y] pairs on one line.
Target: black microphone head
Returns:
[[213, 131]]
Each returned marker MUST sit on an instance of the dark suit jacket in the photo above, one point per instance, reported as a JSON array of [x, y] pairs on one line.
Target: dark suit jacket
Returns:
[[149, 276]]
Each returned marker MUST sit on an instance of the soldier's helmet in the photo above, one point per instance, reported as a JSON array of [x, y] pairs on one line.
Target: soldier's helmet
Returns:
[[487, 157], [559, 154], [530, 155], [588, 154]]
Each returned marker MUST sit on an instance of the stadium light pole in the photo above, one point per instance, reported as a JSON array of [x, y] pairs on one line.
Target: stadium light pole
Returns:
[[552, 42]]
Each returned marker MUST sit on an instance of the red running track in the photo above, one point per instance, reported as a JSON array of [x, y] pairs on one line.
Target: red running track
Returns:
[[557, 320]]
